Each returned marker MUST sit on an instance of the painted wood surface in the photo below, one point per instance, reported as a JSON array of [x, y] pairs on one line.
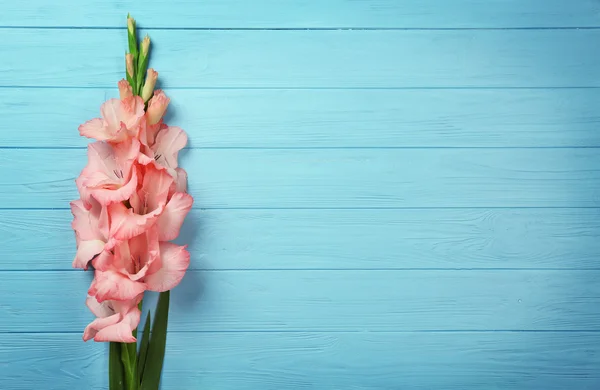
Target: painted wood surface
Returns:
[[338, 178], [330, 14], [389, 194], [457, 361], [292, 118], [226, 239], [309, 59], [301, 360], [325, 300]]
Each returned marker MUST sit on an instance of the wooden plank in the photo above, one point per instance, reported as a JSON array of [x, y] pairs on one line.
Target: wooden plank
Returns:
[[340, 239], [463, 361], [326, 118], [304, 14], [309, 59], [351, 300], [337, 178]]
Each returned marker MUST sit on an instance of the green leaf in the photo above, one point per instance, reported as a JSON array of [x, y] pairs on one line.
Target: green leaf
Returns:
[[156, 347], [144, 349], [115, 368]]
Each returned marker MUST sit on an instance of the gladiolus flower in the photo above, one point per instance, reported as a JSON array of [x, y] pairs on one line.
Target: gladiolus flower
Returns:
[[116, 320], [121, 118]]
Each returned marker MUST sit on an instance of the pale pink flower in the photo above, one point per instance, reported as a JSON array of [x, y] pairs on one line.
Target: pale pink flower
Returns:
[[157, 107], [138, 264], [115, 320], [164, 152], [110, 175], [120, 118], [152, 203]]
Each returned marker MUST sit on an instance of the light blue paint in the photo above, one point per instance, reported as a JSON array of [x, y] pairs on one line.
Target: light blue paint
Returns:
[[408, 202]]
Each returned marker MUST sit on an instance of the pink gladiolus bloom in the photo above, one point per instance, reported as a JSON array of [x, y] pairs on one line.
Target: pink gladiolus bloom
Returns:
[[151, 204], [110, 175], [164, 152], [120, 118], [116, 320], [138, 264], [133, 201]]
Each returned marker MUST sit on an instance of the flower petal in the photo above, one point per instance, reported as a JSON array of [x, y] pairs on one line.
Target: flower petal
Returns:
[[170, 221], [113, 285], [97, 308], [175, 260], [122, 331], [169, 142], [98, 324], [86, 221], [126, 224], [86, 251], [95, 129]]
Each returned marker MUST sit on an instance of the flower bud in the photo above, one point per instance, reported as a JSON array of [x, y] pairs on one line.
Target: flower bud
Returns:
[[130, 25], [157, 107], [151, 78], [125, 91], [145, 46], [129, 64]]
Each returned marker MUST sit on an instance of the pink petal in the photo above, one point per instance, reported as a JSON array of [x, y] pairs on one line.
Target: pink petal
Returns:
[[180, 180], [175, 260], [110, 175], [126, 224], [169, 142], [86, 221], [86, 251], [108, 196], [155, 188], [122, 331], [95, 129], [112, 285], [170, 221], [97, 308], [145, 248], [98, 324]]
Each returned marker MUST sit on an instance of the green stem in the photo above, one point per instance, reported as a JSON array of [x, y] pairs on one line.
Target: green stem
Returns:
[[128, 357]]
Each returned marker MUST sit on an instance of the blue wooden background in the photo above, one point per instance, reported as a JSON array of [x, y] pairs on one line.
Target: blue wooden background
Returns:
[[390, 194]]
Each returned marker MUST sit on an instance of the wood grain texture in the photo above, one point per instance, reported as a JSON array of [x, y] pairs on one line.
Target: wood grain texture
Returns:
[[309, 59], [304, 14], [339, 239], [337, 178], [384, 300], [326, 118], [249, 361]]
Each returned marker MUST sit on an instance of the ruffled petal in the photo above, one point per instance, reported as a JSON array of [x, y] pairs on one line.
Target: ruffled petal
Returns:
[[170, 221], [125, 223], [122, 331], [95, 129], [169, 142], [86, 251], [175, 260], [113, 285]]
